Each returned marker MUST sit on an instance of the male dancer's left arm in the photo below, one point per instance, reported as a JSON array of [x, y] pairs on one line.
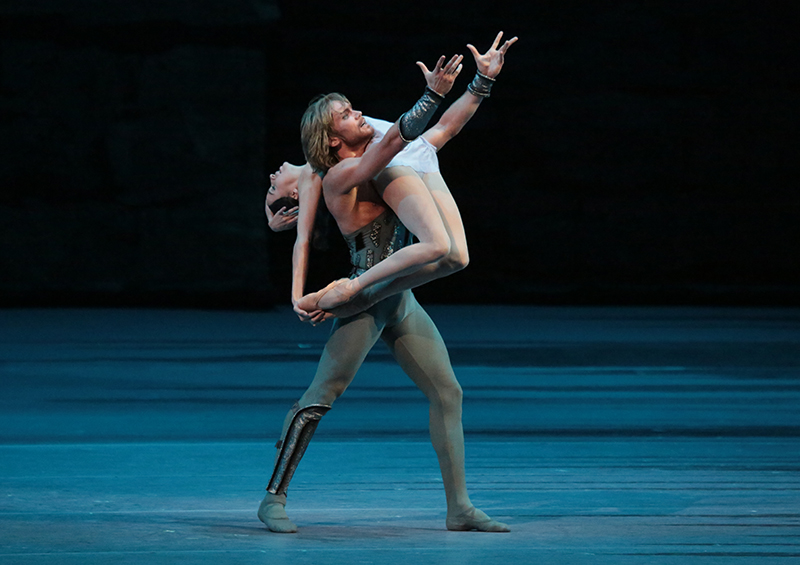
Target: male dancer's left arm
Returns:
[[461, 111], [452, 121]]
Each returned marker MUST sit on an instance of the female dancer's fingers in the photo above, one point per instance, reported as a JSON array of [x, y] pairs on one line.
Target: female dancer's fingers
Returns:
[[321, 317]]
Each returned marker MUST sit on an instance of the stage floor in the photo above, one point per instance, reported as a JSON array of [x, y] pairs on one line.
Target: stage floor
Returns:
[[600, 435]]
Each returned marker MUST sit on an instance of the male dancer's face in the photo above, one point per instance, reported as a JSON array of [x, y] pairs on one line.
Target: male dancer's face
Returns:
[[349, 126], [283, 182]]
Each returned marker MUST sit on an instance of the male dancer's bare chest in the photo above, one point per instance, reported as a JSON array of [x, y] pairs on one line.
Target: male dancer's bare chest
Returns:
[[355, 208]]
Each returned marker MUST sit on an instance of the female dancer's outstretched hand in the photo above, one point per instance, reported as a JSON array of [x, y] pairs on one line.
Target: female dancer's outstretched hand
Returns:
[[490, 63], [441, 78]]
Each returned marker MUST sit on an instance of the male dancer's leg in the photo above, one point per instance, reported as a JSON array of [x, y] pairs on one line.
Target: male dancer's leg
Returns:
[[456, 260], [348, 345], [419, 349]]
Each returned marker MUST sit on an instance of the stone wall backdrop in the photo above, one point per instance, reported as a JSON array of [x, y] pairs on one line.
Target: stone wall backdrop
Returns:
[[632, 152]]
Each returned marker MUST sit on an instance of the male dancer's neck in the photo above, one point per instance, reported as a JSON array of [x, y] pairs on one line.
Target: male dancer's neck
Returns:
[[358, 151]]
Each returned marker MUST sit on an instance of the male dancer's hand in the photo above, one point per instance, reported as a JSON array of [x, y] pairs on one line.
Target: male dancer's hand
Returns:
[[441, 78], [490, 63]]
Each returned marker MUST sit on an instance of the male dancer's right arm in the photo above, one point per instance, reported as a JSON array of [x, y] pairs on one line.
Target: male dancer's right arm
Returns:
[[489, 65], [354, 171]]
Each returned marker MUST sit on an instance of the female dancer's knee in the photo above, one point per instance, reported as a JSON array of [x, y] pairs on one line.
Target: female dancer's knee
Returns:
[[456, 260], [436, 250]]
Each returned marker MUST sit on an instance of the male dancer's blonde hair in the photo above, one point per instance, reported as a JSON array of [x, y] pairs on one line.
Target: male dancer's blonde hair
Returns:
[[316, 128]]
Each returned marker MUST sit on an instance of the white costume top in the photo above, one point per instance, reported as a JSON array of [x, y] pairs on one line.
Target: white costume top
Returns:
[[420, 154]]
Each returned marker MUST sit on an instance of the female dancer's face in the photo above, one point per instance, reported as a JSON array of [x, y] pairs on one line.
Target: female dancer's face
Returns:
[[283, 182]]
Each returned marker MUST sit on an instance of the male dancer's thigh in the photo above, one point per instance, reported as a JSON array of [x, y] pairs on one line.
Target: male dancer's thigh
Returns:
[[448, 210], [350, 340], [419, 349]]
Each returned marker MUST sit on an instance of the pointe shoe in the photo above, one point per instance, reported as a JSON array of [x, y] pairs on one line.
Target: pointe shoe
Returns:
[[310, 302], [474, 519], [337, 295], [272, 512], [358, 304], [365, 299]]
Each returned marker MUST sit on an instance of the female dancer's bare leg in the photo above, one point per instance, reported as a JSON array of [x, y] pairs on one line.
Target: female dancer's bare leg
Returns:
[[427, 209], [403, 190], [455, 260]]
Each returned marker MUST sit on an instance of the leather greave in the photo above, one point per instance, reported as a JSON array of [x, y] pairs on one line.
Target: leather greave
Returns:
[[293, 444]]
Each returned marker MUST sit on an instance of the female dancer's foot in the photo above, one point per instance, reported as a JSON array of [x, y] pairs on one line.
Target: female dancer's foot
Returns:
[[273, 513], [474, 519], [310, 302], [340, 294], [360, 302], [365, 299]]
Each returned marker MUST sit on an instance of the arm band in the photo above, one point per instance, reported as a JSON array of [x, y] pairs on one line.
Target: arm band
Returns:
[[481, 85], [413, 122]]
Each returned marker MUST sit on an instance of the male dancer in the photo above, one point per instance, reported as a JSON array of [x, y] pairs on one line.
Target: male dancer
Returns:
[[398, 320]]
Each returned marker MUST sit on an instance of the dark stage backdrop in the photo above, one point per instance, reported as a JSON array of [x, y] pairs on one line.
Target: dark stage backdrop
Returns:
[[632, 152]]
